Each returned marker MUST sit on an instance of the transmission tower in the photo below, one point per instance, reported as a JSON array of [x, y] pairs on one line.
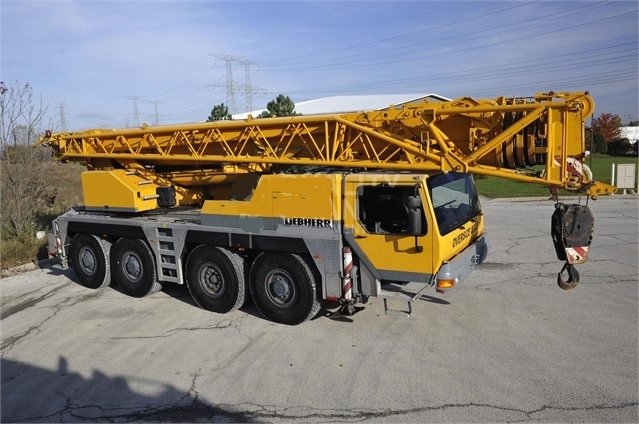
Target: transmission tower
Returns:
[[230, 87], [63, 117], [136, 115], [248, 89], [156, 116]]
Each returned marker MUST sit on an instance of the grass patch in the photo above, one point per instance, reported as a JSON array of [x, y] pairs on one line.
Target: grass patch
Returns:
[[18, 252], [601, 166], [493, 187]]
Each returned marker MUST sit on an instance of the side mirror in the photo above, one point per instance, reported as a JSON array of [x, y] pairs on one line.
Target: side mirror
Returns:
[[413, 202], [414, 222]]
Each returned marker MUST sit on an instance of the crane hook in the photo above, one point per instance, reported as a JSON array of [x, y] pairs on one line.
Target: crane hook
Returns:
[[573, 277]]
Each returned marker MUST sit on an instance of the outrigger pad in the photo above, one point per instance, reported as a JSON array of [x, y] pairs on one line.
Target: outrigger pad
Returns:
[[572, 227]]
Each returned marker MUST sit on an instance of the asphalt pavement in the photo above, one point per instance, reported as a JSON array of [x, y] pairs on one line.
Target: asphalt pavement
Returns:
[[506, 345]]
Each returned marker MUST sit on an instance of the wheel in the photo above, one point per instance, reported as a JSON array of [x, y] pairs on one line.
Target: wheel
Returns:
[[133, 267], [90, 260], [283, 288], [215, 278]]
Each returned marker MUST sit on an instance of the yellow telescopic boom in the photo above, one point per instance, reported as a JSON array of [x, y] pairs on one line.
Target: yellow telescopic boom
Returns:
[[536, 139]]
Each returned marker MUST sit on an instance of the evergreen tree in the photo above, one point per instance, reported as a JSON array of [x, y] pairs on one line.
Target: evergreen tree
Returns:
[[281, 106], [219, 113]]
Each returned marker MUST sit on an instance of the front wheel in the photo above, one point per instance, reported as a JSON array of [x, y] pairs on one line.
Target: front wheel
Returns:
[[134, 268], [284, 288]]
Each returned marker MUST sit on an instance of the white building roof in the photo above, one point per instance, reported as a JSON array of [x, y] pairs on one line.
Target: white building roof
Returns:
[[341, 104], [631, 133]]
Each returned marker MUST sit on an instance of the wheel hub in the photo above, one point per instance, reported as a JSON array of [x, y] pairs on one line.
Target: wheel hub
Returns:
[[132, 267], [87, 261], [280, 288], [212, 280]]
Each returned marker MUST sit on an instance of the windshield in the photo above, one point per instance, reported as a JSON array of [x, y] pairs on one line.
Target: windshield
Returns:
[[454, 199]]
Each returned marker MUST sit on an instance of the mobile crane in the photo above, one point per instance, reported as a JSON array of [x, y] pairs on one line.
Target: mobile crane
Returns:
[[297, 210]]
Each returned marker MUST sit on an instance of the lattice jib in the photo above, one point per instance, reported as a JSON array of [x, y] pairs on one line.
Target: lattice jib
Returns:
[[151, 141], [482, 136], [123, 141]]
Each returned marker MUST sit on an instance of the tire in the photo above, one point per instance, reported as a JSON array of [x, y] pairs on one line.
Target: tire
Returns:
[[90, 260], [284, 288], [215, 278], [133, 267]]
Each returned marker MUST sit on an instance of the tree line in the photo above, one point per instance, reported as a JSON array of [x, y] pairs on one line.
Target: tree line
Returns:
[[605, 136]]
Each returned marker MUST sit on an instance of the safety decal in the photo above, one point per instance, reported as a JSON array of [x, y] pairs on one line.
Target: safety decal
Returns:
[[576, 255]]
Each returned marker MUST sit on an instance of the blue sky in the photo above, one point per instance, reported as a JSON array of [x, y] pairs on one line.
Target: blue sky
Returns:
[[95, 57]]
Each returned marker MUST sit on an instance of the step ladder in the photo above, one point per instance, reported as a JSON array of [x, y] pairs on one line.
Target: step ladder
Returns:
[[397, 292], [167, 257]]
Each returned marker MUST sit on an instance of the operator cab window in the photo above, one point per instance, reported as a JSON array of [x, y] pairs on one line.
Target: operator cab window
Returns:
[[383, 209], [455, 200]]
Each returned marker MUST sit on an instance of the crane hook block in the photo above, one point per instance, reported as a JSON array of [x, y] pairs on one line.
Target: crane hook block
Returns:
[[571, 228], [573, 277]]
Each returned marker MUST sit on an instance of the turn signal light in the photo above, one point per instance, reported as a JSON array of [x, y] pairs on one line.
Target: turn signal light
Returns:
[[446, 284]]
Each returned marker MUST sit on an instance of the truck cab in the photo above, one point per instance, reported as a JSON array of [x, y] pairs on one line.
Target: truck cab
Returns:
[[414, 227]]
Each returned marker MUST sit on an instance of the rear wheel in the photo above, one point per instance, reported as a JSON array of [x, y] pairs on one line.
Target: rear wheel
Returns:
[[133, 267], [90, 260], [215, 278], [284, 288]]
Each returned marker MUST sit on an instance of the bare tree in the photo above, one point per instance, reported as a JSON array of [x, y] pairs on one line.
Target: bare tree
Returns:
[[25, 170]]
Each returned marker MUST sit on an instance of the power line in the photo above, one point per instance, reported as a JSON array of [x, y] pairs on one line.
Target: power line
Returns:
[[427, 51], [394, 37], [231, 87], [347, 63]]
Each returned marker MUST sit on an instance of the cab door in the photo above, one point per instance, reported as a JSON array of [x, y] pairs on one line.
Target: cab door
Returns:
[[377, 227]]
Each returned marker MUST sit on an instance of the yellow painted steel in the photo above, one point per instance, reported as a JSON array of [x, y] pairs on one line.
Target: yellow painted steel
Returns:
[[501, 137], [391, 252], [118, 190], [306, 196], [451, 244], [310, 196], [398, 252]]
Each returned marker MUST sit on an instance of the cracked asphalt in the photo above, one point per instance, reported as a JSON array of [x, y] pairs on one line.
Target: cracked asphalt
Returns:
[[506, 346]]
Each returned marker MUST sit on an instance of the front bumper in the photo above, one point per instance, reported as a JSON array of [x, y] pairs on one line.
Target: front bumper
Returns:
[[461, 266]]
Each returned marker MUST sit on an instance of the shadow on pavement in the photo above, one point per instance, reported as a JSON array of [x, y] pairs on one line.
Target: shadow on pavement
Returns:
[[33, 394]]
